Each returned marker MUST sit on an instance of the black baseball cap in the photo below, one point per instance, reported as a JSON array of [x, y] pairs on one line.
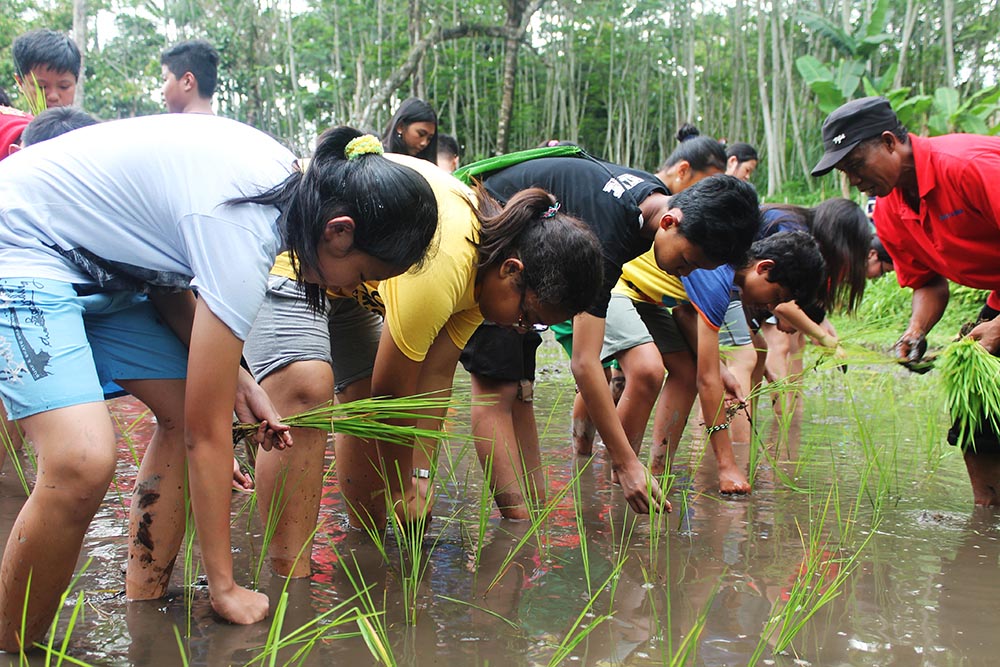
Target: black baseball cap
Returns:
[[849, 125]]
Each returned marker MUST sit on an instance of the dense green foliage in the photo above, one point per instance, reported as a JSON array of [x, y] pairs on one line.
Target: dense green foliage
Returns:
[[619, 78]]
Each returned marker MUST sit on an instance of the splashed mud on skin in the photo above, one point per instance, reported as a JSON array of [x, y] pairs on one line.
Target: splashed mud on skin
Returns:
[[142, 536], [147, 499]]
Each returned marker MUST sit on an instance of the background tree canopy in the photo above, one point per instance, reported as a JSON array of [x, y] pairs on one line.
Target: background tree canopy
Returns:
[[617, 77]]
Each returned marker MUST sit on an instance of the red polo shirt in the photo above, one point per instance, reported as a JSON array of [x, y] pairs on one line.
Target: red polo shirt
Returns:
[[12, 124], [956, 233]]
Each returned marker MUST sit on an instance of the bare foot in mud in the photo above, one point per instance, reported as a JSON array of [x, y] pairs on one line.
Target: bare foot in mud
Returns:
[[241, 481], [240, 605], [417, 503], [733, 482]]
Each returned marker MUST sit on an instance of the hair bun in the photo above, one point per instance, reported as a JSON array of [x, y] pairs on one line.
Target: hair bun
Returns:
[[687, 131], [366, 144]]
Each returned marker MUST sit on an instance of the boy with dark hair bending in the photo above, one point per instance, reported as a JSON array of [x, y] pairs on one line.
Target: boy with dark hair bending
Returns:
[[783, 267], [190, 72], [629, 211]]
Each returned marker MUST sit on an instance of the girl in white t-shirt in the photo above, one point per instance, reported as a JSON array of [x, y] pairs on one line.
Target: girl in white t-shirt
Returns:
[[105, 235]]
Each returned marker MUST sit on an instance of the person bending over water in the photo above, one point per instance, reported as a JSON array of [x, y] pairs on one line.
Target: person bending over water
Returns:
[[76, 318]]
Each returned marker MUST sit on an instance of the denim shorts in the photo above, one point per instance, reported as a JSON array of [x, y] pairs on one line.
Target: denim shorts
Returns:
[[345, 336], [59, 347]]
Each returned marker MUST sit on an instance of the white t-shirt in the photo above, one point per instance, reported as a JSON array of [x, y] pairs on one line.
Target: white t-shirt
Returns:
[[140, 204]]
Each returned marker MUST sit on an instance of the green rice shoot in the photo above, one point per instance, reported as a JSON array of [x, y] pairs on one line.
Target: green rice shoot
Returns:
[[971, 378], [369, 419]]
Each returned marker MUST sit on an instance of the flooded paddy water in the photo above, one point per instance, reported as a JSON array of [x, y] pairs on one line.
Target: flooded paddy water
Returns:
[[859, 546]]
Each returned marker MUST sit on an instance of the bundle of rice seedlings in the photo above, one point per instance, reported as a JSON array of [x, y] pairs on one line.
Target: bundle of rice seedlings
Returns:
[[971, 378], [367, 418]]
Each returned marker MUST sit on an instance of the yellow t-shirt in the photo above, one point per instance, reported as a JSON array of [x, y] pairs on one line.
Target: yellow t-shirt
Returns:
[[366, 293], [440, 295], [643, 280]]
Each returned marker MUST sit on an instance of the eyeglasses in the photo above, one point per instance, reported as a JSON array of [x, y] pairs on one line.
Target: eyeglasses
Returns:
[[522, 326]]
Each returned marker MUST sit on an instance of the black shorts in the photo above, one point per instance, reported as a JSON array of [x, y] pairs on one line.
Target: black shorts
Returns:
[[500, 353], [985, 439]]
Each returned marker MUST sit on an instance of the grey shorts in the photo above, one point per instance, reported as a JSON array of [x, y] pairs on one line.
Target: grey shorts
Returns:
[[631, 323], [286, 331], [735, 330]]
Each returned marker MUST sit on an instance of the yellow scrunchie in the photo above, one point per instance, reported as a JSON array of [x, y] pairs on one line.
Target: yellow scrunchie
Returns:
[[363, 145]]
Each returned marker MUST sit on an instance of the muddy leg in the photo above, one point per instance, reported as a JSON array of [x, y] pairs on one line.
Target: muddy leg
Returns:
[[741, 361], [290, 481], [984, 473], [156, 515], [500, 445], [76, 460], [676, 399]]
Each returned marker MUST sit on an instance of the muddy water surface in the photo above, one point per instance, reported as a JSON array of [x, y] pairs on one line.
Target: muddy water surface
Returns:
[[857, 499]]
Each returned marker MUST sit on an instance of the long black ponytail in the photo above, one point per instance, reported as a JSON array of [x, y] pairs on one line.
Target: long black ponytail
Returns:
[[393, 207]]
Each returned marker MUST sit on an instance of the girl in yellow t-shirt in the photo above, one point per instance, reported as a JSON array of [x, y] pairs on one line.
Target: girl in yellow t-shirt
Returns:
[[518, 265]]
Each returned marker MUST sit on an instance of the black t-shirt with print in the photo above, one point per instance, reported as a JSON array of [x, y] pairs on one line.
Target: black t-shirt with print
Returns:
[[604, 196]]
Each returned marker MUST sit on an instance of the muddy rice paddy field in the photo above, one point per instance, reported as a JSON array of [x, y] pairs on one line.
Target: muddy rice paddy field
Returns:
[[859, 546]]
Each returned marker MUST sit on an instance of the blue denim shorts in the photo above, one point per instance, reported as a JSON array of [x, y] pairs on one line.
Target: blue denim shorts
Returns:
[[60, 348]]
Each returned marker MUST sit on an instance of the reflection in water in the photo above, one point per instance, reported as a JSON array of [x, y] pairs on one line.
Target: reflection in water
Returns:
[[925, 590]]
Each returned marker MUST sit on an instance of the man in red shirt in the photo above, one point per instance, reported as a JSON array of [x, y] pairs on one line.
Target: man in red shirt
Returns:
[[938, 215]]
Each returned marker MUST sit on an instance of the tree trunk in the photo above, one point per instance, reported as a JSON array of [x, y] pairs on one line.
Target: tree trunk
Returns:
[[765, 103], [909, 20], [404, 71], [949, 42], [80, 37], [519, 12]]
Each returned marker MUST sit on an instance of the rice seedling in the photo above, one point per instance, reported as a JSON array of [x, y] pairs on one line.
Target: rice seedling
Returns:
[[580, 629], [75, 615], [181, 648], [822, 575], [367, 418], [302, 640], [36, 102], [972, 394], [488, 612], [687, 651], [22, 658], [272, 644], [12, 453], [372, 623], [484, 511], [581, 529], [620, 549], [125, 431], [192, 565], [537, 520], [275, 510], [887, 472], [413, 561]]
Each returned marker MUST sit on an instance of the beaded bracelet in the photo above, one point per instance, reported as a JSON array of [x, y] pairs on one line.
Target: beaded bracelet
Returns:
[[709, 430]]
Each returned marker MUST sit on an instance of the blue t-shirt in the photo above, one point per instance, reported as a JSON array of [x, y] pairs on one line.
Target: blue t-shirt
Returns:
[[708, 290]]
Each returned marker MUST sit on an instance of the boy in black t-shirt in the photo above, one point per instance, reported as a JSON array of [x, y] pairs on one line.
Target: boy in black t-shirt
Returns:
[[628, 210]]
